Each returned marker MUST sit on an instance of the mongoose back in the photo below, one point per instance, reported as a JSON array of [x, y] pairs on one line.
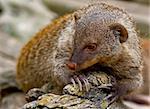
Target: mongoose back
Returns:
[[97, 34]]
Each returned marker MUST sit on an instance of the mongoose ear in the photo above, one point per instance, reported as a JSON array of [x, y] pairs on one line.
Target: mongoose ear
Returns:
[[119, 31]]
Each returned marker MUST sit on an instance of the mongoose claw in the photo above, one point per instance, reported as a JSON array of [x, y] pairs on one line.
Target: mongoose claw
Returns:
[[81, 81], [105, 86], [113, 93], [111, 98]]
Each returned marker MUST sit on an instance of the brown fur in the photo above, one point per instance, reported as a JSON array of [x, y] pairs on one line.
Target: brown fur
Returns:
[[44, 58], [35, 62]]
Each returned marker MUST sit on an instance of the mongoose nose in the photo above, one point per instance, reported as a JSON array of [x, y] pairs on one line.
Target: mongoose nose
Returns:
[[71, 65]]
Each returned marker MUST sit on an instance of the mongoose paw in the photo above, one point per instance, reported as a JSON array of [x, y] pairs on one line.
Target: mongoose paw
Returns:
[[33, 94], [82, 81], [110, 98], [106, 86], [113, 95]]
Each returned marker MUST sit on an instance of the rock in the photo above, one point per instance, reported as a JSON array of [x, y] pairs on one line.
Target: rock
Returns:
[[13, 101], [75, 98], [9, 49], [58, 102], [22, 19]]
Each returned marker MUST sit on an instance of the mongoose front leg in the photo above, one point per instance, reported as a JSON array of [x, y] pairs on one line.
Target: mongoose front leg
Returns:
[[125, 86]]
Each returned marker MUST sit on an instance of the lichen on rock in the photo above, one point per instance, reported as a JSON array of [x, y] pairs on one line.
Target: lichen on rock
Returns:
[[74, 98]]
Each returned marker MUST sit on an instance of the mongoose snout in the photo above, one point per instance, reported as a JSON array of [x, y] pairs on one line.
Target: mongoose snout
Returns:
[[71, 65]]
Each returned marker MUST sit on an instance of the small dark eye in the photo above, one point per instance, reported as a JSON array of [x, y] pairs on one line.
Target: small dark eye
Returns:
[[91, 47]]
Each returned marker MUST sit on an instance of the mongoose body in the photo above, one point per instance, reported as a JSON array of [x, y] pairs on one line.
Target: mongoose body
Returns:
[[43, 58], [97, 34]]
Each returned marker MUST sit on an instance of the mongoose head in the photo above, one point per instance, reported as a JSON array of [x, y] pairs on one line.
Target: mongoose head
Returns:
[[98, 36]]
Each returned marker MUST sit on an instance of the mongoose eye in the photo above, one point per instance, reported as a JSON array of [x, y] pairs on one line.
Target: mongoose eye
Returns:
[[119, 31], [90, 47]]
